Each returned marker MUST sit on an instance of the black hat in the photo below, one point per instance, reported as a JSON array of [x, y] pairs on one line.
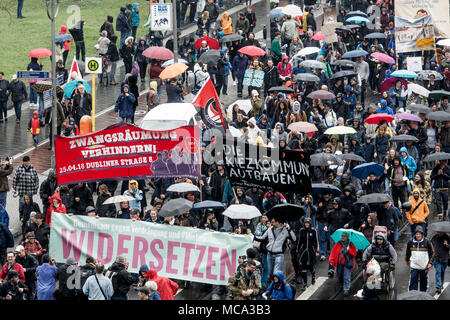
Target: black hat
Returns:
[[90, 209], [26, 159], [12, 274]]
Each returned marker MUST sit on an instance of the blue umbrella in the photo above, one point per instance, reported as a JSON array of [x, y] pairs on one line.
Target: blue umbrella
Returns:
[[362, 171], [276, 13], [72, 85], [404, 74], [355, 237], [321, 188], [354, 54], [207, 204], [357, 19], [62, 38]]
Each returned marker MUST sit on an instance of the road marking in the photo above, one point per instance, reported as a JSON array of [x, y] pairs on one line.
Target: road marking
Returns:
[[436, 296], [312, 289]]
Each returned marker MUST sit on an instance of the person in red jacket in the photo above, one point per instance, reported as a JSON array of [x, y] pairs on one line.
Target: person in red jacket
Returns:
[[56, 205], [35, 126], [284, 68], [11, 264], [342, 258], [66, 44], [166, 287]]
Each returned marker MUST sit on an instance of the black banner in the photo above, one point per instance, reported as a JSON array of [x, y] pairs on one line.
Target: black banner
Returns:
[[256, 166]]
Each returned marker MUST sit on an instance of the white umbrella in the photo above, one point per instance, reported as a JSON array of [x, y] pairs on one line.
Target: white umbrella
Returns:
[[307, 51], [340, 130], [170, 62], [242, 212], [183, 187], [413, 87], [313, 64], [245, 105], [444, 42], [292, 10], [117, 199]]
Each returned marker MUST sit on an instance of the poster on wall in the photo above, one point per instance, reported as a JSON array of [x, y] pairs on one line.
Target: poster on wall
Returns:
[[161, 17]]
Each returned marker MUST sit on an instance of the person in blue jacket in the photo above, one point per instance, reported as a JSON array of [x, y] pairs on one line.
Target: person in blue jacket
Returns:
[[397, 96], [278, 288], [383, 108], [408, 162], [134, 19], [124, 104], [349, 99], [228, 67]]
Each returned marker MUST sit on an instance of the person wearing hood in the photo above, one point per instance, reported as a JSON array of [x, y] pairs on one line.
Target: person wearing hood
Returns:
[[419, 211], [278, 288], [140, 59], [368, 226], [113, 57], [349, 99], [56, 205], [121, 279], [420, 255], [108, 27], [239, 66], [382, 251], [256, 103], [226, 24], [47, 189], [306, 250], [253, 131], [408, 162], [398, 180], [124, 104], [126, 52], [103, 43], [339, 217], [330, 118], [284, 68], [135, 20], [82, 196], [368, 149], [342, 258], [34, 125], [123, 26], [78, 36], [278, 133], [187, 51], [66, 44], [166, 287], [136, 193], [142, 276]]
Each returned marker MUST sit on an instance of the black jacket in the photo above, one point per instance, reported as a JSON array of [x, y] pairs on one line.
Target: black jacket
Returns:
[[213, 10], [7, 288], [81, 110], [218, 185], [30, 263], [440, 180], [3, 88], [271, 77], [63, 278], [113, 52], [338, 218], [85, 195], [107, 210], [47, 189], [123, 279], [122, 24], [25, 210], [77, 31], [42, 234], [18, 91], [173, 93], [307, 245], [441, 251]]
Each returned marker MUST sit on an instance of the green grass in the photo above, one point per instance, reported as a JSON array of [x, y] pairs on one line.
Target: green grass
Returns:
[[19, 36]]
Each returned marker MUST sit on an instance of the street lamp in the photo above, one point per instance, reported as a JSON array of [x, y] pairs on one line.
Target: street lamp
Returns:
[[52, 14]]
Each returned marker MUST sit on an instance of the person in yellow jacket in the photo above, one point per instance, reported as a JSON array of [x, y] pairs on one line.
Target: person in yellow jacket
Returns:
[[226, 23], [419, 211]]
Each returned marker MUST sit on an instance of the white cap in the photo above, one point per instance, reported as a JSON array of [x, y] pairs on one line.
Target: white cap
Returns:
[[255, 93], [14, 76], [204, 41], [19, 248]]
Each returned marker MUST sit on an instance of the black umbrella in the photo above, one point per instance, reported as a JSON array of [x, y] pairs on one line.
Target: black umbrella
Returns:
[[404, 137], [351, 157], [175, 207], [406, 206], [322, 188], [282, 89], [420, 108], [356, 14], [375, 35], [286, 212], [437, 156], [344, 63], [415, 295], [374, 198], [345, 73], [324, 159], [442, 226], [343, 28], [232, 37], [210, 57], [438, 116], [353, 26]]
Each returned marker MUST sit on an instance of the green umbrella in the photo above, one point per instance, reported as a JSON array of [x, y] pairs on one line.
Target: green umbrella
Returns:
[[438, 94], [355, 237], [340, 130]]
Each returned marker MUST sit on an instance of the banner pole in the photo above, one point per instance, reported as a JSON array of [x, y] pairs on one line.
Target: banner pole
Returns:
[[93, 102]]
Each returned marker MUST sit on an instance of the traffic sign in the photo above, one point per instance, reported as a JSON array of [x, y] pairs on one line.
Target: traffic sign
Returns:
[[93, 65], [33, 74]]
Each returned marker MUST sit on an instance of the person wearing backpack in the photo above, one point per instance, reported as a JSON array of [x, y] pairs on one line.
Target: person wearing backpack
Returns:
[[97, 286], [121, 279], [86, 271], [278, 288]]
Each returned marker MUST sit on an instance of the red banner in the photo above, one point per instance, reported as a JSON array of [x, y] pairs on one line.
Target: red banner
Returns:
[[124, 151]]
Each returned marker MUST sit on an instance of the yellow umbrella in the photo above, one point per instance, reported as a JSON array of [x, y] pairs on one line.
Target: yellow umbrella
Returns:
[[173, 70]]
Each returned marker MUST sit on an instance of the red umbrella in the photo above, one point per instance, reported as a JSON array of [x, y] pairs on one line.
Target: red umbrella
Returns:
[[389, 83], [377, 117], [252, 51], [40, 53], [159, 53], [382, 57], [212, 43]]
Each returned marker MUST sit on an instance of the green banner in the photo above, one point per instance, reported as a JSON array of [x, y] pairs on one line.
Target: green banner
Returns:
[[175, 252]]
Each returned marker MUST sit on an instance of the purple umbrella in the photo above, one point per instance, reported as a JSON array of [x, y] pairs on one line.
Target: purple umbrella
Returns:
[[408, 116]]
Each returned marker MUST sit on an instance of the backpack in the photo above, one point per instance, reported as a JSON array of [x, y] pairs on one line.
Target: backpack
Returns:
[[192, 79], [84, 274], [112, 275]]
